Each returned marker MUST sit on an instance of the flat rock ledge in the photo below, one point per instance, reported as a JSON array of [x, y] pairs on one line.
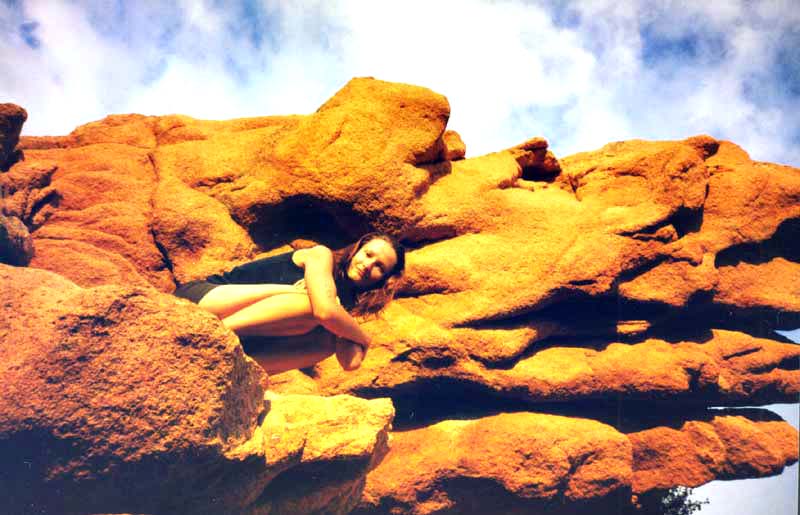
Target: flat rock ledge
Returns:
[[535, 463]]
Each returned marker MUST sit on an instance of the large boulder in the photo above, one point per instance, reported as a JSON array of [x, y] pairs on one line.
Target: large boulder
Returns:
[[12, 117], [151, 405], [508, 463], [16, 247]]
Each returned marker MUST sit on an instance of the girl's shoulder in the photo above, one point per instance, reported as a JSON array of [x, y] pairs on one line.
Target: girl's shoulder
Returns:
[[301, 256]]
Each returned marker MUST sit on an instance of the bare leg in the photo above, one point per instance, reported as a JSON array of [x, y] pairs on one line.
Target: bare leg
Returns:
[[286, 320], [227, 299], [291, 352], [285, 314]]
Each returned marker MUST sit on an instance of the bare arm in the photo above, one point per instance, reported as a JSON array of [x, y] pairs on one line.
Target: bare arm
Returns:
[[317, 263]]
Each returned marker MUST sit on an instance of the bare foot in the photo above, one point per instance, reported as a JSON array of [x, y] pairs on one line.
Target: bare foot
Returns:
[[349, 354]]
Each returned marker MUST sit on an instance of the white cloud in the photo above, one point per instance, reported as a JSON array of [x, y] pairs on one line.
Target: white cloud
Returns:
[[509, 71]]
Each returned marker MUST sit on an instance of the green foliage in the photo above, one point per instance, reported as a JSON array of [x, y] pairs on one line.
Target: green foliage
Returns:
[[675, 501]]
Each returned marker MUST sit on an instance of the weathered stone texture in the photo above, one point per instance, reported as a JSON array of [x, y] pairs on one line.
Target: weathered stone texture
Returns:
[[151, 405], [652, 271]]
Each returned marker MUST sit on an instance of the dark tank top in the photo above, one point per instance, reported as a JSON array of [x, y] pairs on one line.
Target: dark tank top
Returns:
[[278, 269]]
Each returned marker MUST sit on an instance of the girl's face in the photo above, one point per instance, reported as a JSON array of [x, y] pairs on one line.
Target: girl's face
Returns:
[[373, 261]]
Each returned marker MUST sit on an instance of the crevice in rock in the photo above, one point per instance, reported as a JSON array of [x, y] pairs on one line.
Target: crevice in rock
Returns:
[[164, 253], [784, 243], [760, 322], [424, 360], [788, 364], [210, 182], [594, 323], [589, 322], [683, 220], [694, 379], [28, 195], [579, 309], [305, 217], [162, 250], [740, 353], [687, 220], [428, 401]]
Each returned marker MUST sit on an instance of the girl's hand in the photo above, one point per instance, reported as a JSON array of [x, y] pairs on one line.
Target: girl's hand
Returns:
[[349, 354]]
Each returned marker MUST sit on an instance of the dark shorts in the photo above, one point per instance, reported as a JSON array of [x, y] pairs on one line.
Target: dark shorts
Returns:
[[194, 290]]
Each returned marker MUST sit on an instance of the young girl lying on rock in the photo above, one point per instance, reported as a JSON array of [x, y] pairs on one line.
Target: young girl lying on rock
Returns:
[[307, 295]]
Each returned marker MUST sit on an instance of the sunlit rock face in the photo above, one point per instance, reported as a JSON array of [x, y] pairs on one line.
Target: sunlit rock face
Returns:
[[124, 399], [561, 329]]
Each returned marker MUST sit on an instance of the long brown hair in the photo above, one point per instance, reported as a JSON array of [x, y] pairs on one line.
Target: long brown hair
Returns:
[[374, 299]]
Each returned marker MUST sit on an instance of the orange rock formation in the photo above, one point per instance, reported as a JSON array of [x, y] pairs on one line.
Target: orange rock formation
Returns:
[[649, 275]]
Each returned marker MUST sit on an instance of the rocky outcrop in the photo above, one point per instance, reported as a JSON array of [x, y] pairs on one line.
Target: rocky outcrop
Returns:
[[12, 117], [540, 463], [727, 369], [643, 271], [152, 406], [16, 247], [719, 444], [509, 463]]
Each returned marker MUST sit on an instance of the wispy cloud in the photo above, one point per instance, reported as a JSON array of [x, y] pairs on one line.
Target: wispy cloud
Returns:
[[579, 73]]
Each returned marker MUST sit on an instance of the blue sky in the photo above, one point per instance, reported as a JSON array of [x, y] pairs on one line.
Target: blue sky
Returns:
[[580, 74]]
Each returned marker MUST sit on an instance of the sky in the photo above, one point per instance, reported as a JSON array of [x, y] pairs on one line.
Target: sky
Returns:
[[581, 74]]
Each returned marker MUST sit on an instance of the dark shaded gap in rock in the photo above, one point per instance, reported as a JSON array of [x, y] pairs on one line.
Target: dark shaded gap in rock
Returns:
[[740, 353], [304, 480], [333, 224], [164, 253], [591, 322], [684, 220], [537, 175], [784, 243], [581, 310], [687, 220], [162, 250], [789, 364], [432, 400], [760, 322], [710, 148], [28, 485]]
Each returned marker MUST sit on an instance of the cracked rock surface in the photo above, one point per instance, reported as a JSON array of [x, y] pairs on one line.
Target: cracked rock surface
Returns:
[[541, 295]]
